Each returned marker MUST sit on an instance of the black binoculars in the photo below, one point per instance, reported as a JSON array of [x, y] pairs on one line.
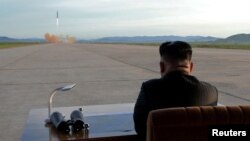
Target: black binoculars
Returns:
[[76, 121]]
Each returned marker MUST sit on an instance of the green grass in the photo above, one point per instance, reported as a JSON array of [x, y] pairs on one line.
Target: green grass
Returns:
[[194, 45], [221, 46], [205, 45], [18, 44]]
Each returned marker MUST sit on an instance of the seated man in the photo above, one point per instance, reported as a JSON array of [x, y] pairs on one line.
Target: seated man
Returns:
[[176, 87]]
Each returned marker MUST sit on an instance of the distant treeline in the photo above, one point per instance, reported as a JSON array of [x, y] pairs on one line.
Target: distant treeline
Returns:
[[15, 44]]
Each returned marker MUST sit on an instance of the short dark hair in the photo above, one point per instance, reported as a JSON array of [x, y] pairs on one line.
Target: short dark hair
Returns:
[[176, 51]]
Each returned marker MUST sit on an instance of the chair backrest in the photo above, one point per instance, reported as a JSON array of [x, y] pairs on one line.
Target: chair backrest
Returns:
[[191, 123]]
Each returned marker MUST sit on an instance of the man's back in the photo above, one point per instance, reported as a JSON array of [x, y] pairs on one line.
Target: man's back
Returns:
[[179, 90], [175, 89]]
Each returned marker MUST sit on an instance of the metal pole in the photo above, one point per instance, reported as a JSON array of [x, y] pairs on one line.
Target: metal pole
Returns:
[[50, 102]]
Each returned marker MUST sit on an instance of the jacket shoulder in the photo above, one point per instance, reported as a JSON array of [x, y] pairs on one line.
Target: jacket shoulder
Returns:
[[208, 86], [152, 82]]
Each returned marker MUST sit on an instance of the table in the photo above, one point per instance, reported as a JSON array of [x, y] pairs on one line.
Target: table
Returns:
[[107, 122]]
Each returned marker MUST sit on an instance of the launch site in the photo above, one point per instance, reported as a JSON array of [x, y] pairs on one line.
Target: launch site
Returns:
[[95, 56]]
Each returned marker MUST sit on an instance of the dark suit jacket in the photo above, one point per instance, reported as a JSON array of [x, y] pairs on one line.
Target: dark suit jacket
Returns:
[[173, 90]]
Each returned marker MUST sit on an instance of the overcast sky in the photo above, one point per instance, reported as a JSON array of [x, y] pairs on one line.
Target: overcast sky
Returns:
[[100, 18]]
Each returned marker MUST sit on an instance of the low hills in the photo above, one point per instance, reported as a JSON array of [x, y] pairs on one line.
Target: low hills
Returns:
[[235, 39], [154, 39]]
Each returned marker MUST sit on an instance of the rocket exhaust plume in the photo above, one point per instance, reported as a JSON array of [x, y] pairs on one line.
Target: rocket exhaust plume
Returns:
[[51, 38]]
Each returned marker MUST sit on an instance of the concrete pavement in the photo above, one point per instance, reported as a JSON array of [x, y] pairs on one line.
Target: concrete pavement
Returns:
[[105, 74]]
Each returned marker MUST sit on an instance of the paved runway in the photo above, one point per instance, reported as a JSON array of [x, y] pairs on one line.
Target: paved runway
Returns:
[[104, 74]]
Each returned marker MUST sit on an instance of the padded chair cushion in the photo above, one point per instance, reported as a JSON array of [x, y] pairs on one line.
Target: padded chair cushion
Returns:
[[192, 123]]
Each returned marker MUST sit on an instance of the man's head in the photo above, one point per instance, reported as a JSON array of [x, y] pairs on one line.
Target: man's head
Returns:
[[175, 56]]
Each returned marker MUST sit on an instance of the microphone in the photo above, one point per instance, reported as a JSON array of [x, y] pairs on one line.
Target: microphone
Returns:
[[60, 89]]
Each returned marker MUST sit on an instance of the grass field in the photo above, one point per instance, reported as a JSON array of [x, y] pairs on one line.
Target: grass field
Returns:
[[220, 45], [195, 45], [206, 45], [12, 45]]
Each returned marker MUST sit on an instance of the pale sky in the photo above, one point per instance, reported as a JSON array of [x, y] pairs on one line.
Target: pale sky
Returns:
[[102, 18]]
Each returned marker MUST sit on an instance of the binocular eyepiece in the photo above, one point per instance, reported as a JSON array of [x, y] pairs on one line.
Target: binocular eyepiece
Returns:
[[76, 121], [58, 121]]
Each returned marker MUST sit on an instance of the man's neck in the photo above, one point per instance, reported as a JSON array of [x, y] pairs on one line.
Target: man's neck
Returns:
[[182, 71]]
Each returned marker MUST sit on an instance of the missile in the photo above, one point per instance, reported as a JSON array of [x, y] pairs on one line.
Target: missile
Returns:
[[57, 19]]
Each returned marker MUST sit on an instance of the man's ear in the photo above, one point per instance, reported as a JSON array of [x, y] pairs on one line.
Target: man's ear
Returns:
[[191, 66], [162, 67]]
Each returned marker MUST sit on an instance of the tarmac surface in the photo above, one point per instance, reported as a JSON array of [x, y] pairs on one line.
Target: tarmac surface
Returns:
[[104, 74]]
